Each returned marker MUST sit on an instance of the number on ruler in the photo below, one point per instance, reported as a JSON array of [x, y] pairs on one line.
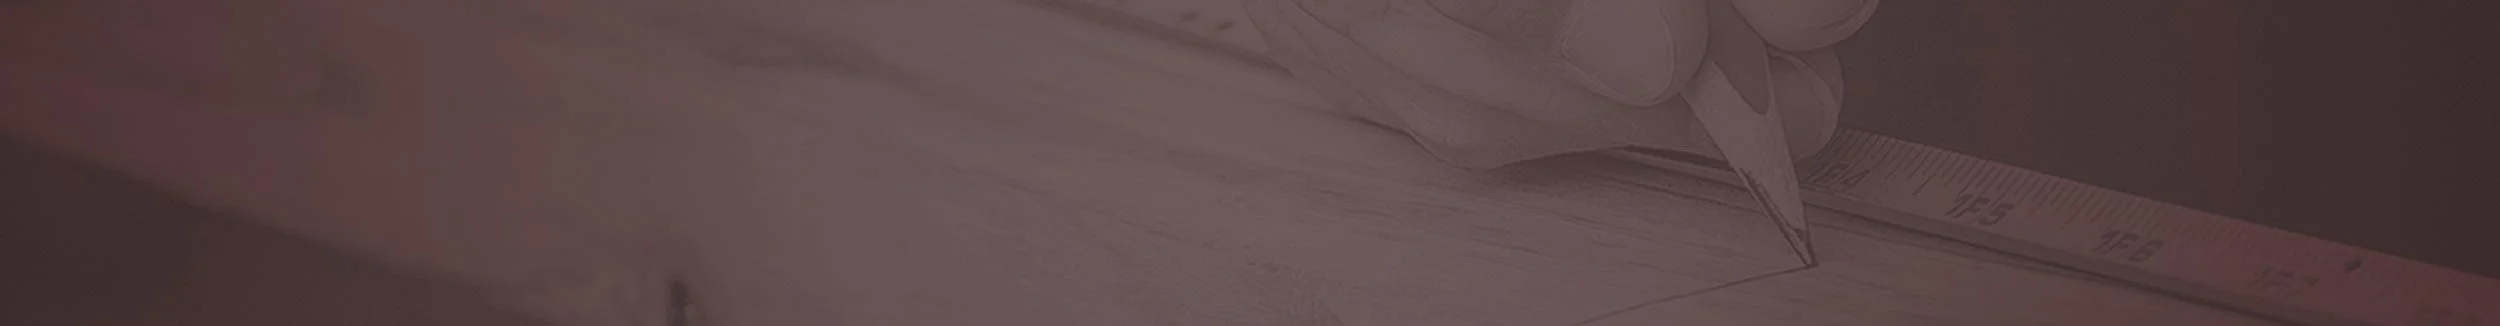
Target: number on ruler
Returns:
[[2278, 281], [2135, 246], [2435, 316], [1836, 176], [1988, 210]]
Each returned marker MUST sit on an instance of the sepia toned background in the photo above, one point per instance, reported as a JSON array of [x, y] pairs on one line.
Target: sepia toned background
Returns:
[[2364, 123]]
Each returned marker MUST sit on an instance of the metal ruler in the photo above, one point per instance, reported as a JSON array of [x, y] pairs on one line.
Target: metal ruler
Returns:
[[2171, 248]]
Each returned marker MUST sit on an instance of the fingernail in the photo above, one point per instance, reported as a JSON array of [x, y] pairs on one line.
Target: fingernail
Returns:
[[1635, 51], [1806, 25], [1809, 104]]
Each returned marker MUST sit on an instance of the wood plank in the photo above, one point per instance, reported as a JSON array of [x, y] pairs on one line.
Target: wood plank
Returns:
[[951, 162], [1883, 274], [88, 247]]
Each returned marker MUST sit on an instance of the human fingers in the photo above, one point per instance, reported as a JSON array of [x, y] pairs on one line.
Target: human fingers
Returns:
[[1806, 89], [1639, 52], [1416, 41], [1805, 25], [1461, 132]]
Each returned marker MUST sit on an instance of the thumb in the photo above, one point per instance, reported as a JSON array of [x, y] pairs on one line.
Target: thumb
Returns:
[[1639, 52]]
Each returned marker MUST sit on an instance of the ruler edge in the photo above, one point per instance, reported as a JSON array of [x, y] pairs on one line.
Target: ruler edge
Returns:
[[2119, 273], [2013, 247]]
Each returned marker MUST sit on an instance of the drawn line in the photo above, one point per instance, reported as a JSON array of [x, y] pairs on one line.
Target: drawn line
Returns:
[[1611, 314]]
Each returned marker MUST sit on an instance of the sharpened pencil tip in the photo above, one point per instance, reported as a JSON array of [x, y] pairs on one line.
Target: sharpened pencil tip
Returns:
[[1798, 242]]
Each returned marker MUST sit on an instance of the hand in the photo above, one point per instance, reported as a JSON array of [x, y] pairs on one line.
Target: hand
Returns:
[[1483, 83]]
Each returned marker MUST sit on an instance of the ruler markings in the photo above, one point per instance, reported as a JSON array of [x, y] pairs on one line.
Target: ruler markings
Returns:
[[2090, 213], [2115, 211], [1901, 167], [1997, 179], [2249, 258], [1890, 163], [1982, 184], [2149, 213], [1958, 175], [2035, 196], [2047, 195], [2073, 205], [1929, 163], [2124, 232], [1886, 162], [2018, 190], [1953, 209], [2202, 255], [2077, 201], [2155, 216], [1993, 184], [2095, 209], [2051, 197]]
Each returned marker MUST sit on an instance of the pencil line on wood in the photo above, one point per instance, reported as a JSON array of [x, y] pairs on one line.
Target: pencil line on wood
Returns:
[[1611, 314]]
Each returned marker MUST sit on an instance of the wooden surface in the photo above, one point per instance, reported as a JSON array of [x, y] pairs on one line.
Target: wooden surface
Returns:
[[88, 247], [922, 162]]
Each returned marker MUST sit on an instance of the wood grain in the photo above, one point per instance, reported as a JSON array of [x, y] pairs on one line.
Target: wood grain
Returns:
[[948, 162]]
